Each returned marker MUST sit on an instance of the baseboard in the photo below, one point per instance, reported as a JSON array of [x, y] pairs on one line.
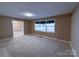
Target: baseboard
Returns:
[[57, 39], [61, 41], [5, 39], [73, 50], [52, 38]]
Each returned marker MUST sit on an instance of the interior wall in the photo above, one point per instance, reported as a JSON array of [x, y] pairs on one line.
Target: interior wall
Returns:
[[75, 31], [63, 26], [6, 29], [26, 27], [31, 26]]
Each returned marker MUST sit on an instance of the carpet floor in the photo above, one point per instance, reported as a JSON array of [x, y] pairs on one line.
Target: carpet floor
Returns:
[[34, 46]]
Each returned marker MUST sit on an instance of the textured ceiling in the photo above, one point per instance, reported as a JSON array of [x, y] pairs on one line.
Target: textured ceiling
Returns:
[[39, 9]]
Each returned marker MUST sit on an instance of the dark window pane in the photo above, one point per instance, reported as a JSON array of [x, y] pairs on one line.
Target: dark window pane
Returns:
[[37, 22], [42, 22], [50, 21]]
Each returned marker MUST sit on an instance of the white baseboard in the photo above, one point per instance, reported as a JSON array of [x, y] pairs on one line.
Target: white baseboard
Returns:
[[52, 38], [74, 52], [57, 39], [5, 39]]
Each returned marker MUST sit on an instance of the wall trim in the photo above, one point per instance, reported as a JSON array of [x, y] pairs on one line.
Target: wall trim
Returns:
[[74, 52], [75, 55], [52, 38], [5, 39]]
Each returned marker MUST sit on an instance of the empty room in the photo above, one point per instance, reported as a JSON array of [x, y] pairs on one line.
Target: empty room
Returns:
[[39, 29]]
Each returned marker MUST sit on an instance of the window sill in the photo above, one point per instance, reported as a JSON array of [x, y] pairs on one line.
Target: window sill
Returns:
[[45, 32]]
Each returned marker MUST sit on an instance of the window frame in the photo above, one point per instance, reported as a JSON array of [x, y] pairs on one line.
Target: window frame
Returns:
[[46, 26]]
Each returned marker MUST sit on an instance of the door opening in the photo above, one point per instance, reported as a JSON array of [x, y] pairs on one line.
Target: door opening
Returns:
[[18, 28]]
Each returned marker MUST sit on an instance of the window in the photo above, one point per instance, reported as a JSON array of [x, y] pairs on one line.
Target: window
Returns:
[[45, 26]]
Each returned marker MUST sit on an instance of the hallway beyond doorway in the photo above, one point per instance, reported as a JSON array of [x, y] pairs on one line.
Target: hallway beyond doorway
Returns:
[[18, 28]]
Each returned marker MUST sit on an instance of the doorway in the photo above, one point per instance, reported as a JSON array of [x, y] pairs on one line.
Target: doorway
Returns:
[[18, 28]]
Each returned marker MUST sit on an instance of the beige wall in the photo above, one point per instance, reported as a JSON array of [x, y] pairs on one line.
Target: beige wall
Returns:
[[31, 25], [75, 31], [5, 27], [26, 27], [63, 25]]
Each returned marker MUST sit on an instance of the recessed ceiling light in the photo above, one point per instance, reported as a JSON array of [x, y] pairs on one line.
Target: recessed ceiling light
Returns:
[[29, 14]]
